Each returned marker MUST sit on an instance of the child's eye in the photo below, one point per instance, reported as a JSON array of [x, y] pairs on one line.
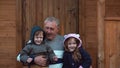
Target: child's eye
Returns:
[[74, 43], [41, 37], [71, 43]]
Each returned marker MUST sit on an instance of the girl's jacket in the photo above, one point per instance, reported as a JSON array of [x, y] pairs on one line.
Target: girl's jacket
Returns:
[[68, 62]]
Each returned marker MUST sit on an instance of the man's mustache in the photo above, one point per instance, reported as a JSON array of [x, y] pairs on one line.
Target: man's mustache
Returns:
[[48, 34]]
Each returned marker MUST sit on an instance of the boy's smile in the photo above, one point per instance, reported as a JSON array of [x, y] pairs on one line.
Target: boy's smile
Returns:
[[38, 38]]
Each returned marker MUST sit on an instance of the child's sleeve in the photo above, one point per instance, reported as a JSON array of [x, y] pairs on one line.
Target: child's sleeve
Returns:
[[24, 53], [86, 59], [51, 53], [65, 61]]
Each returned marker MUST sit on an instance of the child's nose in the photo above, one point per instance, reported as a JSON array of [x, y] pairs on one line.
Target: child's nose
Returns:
[[39, 39]]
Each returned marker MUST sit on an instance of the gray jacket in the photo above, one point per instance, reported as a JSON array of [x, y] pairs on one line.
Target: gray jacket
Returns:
[[32, 50]]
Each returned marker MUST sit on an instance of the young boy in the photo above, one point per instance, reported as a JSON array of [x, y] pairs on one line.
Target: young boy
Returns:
[[37, 47]]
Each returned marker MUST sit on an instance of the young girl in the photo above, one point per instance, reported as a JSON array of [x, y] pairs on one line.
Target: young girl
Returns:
[[37, 47], [75, 56]]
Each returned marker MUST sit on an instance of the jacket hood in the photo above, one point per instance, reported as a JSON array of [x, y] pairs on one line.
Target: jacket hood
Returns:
[[35, 29], [77, 36]]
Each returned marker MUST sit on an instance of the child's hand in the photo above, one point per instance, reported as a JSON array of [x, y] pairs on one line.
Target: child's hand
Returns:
[[55, 58], [29, 60], [80, 67]]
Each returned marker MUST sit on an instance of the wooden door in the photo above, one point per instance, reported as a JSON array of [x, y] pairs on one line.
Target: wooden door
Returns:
[[34, 12], [112, 44], [112, 34]]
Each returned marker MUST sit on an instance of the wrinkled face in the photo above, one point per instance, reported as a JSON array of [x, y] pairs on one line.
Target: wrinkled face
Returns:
[[51, 29], [38, 37], [72, 45]]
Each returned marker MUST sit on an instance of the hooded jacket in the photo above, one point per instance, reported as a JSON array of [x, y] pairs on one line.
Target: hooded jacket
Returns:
[[68, 61], [32, 50], [35, 29]]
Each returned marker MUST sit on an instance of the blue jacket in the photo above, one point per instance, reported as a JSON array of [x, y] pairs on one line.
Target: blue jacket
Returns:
[[68, 61]]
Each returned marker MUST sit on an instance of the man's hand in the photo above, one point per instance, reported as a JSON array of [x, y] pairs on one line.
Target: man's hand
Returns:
[[40, 60], [55, 58]]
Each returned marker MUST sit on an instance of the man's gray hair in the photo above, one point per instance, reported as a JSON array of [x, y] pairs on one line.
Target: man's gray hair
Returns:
[[51, 19]]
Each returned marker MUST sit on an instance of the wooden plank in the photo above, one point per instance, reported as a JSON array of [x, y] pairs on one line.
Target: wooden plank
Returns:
[[107, 59], [50, 9], [45, 10], [118, 45], [33, 12], [74, 16], [65, 17], [56, 8], [71, 16], [62, 16], [5, 10], [30, 17], [82, 20], [7, 63], [67, 23], [9, 31], [19, 23], [100, 20], [110, 44], [112, 8], [39, 10], [112, 18], [7, 23]]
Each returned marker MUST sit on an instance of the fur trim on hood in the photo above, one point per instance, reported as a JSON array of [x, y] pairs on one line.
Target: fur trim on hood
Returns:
[[33, 30], [74, 35]]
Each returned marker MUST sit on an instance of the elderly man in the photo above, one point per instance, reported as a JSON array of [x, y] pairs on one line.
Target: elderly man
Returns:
[[55, 41]]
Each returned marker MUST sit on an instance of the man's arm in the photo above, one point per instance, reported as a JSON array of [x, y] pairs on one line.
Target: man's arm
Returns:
[[18, 57]]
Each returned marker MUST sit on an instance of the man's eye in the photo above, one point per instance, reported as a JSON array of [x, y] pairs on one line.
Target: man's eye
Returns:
[[51, 29], [47, 28]]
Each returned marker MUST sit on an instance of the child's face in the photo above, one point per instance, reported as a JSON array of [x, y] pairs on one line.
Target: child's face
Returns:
[[72, 44], [38, 38]]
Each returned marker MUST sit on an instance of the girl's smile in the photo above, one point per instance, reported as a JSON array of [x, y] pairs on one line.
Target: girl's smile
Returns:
[[72, 44]]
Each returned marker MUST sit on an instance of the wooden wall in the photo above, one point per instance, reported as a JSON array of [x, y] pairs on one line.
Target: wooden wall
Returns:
[[97, 21], [7, 34], [18, 16]]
